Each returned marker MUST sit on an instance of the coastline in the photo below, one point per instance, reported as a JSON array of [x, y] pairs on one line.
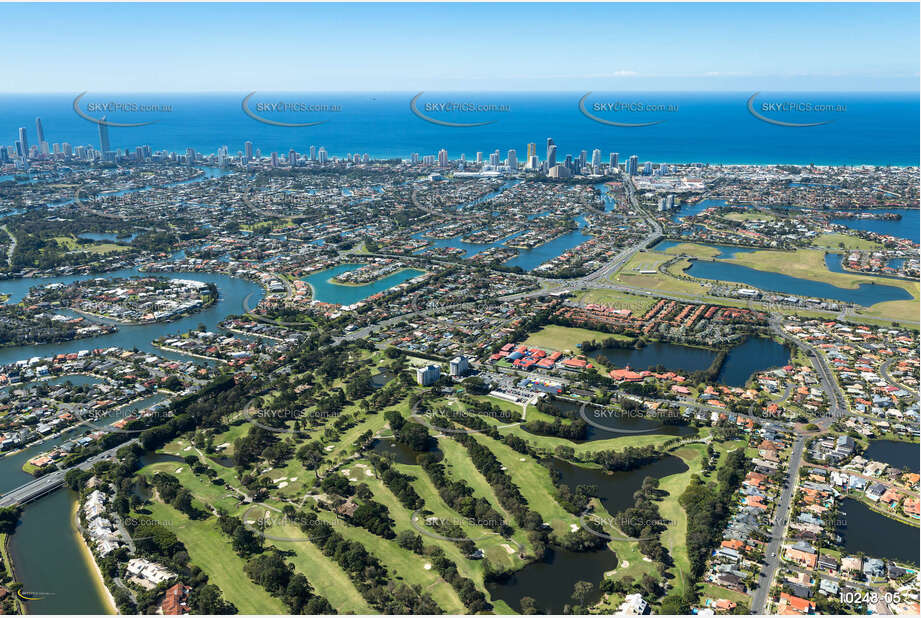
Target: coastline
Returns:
[[91, 561]]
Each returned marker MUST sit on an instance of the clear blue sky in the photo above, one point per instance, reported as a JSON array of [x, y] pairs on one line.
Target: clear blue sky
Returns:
[[410, 47]]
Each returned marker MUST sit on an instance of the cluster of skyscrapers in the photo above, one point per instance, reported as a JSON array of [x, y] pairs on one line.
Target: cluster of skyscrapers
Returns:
[[23, 152], [551, 166]]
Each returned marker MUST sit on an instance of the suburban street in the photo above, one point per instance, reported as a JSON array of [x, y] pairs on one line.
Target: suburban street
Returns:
[[772, 550]]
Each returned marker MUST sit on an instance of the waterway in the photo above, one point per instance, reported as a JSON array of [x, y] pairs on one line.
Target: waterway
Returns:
[[325, 290], [901, 455], [865, 294], [49, 559], [527, 259], [908, 227], [726, 252], [232, 292], [48, 556], [751, 356], [550, 581], [834, 263], [11, 474], [618, 423], [876, 535]]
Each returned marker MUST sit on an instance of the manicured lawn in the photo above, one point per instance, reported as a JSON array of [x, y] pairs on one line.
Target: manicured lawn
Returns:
[[754, 215], [534, 482], [709, 591], [693, 249], [613, 298], [562, 338], [810, 264], [325, 575], [212, 552], [844, 241]]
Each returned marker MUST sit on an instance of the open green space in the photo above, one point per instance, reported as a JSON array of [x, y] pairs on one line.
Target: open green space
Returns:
[[212, 552], [562, 338]]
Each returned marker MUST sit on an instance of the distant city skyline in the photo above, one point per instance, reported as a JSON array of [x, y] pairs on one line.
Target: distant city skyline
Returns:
[[459, 47]]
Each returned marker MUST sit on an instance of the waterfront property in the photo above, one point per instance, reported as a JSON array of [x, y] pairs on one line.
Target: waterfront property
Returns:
[[326, 290]]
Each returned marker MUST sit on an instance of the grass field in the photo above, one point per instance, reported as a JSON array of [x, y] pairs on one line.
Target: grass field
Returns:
[[844, 241], [693, 249], [755, 215], [70, 244], [214, 555], [563, 338], [633, 274], [613, 298], [810, 264]]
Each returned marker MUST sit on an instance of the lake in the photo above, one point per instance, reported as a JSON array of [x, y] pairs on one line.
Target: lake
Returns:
[[753, 355], [907, 227], [876, 535], [550, 581], [866, 293], [898, 454], [725, 251], [619, 425]]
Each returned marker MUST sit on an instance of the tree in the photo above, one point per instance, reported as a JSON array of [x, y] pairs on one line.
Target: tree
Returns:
[[529, 606], [580, 591]]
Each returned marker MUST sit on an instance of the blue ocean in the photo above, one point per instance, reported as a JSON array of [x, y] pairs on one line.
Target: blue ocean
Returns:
[[716, 128]]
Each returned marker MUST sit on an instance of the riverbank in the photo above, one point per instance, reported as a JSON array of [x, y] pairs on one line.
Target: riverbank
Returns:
[[91, 561], [10, 567], [184, 353]]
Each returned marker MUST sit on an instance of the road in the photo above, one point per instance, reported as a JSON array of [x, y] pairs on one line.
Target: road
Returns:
[[772, 550], [837, 404], [884, 371], [49, 482]]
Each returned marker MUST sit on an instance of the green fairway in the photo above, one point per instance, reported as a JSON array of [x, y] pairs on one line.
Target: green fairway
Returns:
[[212, 552]]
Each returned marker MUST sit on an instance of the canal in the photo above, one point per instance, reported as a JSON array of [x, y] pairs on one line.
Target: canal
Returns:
[[231, 290], [51, 560]]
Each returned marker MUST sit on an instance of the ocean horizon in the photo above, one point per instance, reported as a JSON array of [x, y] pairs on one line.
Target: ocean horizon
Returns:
[[858, 128]]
